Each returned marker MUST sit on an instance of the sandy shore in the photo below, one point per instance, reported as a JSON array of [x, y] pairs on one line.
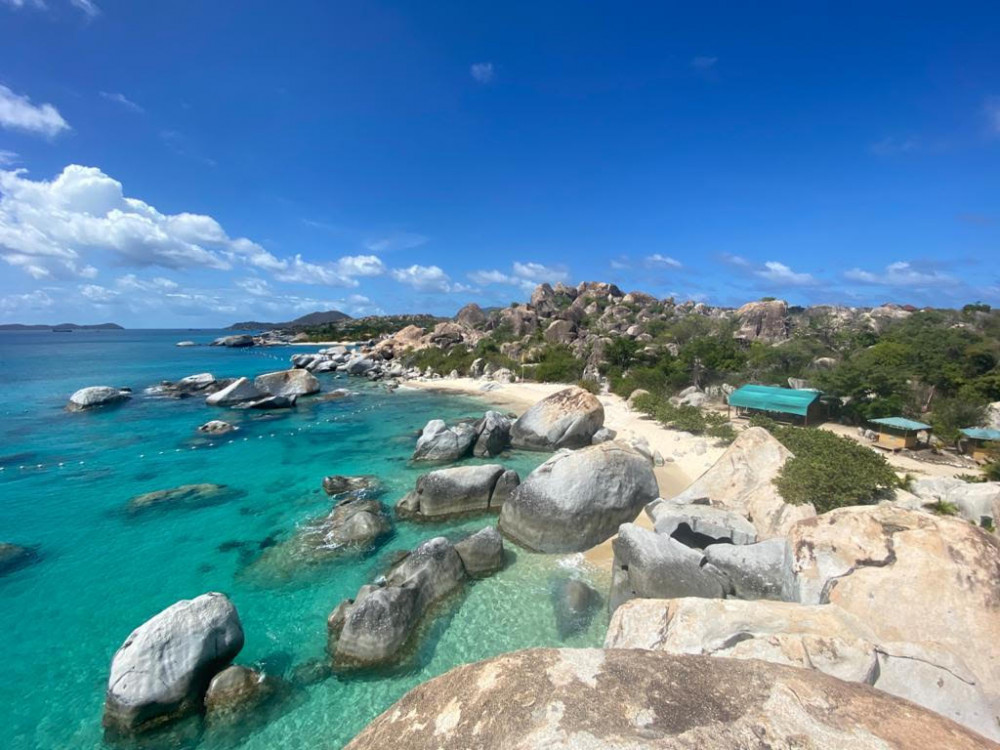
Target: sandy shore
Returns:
[[686, 456]]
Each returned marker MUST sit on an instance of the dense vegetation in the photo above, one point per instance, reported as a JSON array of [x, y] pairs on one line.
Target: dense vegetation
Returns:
[[360, 329], [688, 418], [459, 358]]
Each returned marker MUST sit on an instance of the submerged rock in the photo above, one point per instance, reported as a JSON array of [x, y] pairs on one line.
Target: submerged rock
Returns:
[[217, 427], [625, 698], [574, 602], [162, 670], [97, 395], [578, 499], [566, 419], [14, 556], [235, 692], [338, 484], [185, 496]]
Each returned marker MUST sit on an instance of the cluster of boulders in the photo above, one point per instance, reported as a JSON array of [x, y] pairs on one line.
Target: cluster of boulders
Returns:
[[376, 626], [484, 438], [177, 664], [976, 502], [245, 340]]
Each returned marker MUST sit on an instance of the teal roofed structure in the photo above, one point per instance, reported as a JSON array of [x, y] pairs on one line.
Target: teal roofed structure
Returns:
[[981, 433], [774, 400], [901, 423]]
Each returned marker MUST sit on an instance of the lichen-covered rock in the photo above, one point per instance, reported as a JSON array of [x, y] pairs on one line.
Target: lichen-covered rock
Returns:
[[95, 396], [578, 499], [563, 699], [566, 419], [162, 670], [742, 481]]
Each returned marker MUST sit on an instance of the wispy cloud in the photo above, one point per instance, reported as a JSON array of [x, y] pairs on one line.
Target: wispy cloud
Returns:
[[704, 63], [123, 100], [395, 241], [779, 273], [901, 274], [87, 6], [7, 158], [734, 260], [482, 72], [661, 261], [18, 113], [992, 108], [892, 145]]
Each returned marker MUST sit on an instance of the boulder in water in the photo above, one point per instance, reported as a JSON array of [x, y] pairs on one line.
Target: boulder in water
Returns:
[[578, 499], [287, 383], [163, 669], [97, 395], [481, 553], [185, 496], [235, 692], [451, 491], [492, 435], [239, 341], [338, 484], [566, 419], [439, 442], [217, 427], [236, 392]]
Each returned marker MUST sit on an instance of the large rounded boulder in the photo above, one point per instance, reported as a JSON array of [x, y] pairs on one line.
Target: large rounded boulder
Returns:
[[287, 383], [163, 669], [609, 700], [96, 395], [578, 499], [566, 419]]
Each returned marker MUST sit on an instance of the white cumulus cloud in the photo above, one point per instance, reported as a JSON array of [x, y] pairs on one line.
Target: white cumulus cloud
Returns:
[[900, 273], [525, 275], [18, 113], [425, 278], [779, 273]]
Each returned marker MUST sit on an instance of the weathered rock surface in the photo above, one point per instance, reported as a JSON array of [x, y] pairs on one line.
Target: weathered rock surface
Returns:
[[578, 499], [978, 502], [751, 571], [96, 395], [238, 391], [238, 341], [763, 321], [822, 637], [439, 442], [912, 577], [492, 435], [287, 383], [560, 699], [566, 419], [471, 316], [164, 667], [451, 491], [653, 566], [742, 481], [481, 553], [185, 496], [14, 556], [699, 525], [374, 627]]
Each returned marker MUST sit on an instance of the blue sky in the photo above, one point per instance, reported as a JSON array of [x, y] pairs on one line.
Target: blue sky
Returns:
[[193, 163]]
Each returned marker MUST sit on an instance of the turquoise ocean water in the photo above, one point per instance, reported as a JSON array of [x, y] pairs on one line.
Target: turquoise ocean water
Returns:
[[66, 479]]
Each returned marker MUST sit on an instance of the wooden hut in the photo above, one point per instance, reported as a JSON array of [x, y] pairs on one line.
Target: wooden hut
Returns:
[[777, 402], [980, 442], [897, 433]]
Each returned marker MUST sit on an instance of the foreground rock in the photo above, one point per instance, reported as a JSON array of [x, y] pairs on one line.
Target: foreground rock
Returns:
[[742, 481], [97, 395], [578, 499], [439, 442], [617, 699], [700, 525], [162, 670], [566, 419], [460, 489], [287, 383], [185, 496], [822, 637], [978, 502], [912, 577], [14, 556]]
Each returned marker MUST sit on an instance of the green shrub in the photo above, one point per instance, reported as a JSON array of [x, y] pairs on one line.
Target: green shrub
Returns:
[[688, 418], [830, 471], [558, 365], [942, 508], [591, 386]]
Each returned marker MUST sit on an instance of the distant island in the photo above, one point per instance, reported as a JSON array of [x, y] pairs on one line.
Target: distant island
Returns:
[[312, 319], [61, 327]]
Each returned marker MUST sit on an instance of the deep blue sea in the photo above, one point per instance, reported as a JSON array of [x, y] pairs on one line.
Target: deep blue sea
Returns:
[[67, 477]]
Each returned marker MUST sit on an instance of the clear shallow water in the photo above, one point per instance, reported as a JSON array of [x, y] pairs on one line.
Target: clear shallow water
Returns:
[[102, 572]]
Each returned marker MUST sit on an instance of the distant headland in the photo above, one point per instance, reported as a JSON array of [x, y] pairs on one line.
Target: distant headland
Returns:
[[312, 319], [61, 327]]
